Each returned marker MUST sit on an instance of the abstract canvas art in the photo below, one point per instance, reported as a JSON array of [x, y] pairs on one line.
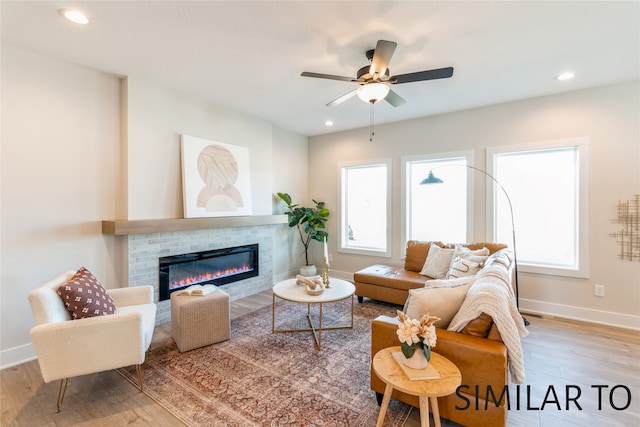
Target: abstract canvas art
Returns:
[[215, 178]]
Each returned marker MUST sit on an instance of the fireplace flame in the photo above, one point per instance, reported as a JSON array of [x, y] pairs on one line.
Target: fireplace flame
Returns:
[[205, 277]]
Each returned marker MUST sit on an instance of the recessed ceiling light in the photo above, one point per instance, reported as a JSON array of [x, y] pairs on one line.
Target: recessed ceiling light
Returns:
[[328, 123], [567, 75], [74, 16]]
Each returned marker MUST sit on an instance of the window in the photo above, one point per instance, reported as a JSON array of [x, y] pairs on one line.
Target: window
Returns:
[[438, 211], [547, 187], [365, 208]]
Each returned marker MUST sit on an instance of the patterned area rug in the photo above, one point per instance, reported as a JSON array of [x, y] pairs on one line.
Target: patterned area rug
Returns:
[[259, 378]]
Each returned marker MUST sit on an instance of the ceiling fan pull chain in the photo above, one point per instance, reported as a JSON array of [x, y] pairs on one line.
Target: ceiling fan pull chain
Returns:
[[371, 125]]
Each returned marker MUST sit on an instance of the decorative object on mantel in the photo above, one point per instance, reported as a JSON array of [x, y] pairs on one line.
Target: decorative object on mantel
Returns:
[[312, 220], [628, 237], [417, 337], [215, 178]]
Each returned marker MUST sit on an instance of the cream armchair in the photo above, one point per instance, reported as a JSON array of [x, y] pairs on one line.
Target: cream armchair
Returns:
[[69, 348]]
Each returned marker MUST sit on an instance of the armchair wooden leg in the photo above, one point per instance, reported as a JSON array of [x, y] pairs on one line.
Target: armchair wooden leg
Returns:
[[61, 391], [139, 372]]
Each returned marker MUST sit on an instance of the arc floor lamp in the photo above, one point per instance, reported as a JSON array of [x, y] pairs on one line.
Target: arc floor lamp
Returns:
[[432, 179]]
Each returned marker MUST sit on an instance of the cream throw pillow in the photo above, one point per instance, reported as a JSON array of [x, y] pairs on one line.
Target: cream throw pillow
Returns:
[[442, 298], [437, 263], [475, 255], [466, 262], [461, 267]]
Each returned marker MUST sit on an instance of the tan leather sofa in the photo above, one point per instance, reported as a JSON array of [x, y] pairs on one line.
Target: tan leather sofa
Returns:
[[478, 350], [392, 283]]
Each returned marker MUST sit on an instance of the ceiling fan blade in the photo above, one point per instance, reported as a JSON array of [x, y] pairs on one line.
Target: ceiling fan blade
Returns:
[[343, 98], [440, 73], [394, 99], [327, 76], [381, 57]]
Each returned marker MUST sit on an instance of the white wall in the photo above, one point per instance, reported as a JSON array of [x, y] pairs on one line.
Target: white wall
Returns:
[[60, 174], [608, 116], [80, 146], [156, 118], [289, 163]]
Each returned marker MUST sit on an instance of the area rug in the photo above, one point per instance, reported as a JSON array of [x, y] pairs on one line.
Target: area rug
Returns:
[[260, 378]]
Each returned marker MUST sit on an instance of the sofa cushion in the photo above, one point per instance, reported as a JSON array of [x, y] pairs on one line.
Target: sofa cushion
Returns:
[[479, 327], [390, 277], [84, 296], [437, 262], [441, 298], [416, 254]]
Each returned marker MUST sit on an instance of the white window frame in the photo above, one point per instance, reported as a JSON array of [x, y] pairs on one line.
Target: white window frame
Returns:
[[406, 203], [342, 232], [582, 144]]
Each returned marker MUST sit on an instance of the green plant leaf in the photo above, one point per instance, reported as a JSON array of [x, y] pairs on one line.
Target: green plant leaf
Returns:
[[427, 352], [407, 349], [285, 197]]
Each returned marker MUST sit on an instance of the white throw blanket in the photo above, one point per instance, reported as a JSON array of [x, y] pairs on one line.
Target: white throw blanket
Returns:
[[491, 293]]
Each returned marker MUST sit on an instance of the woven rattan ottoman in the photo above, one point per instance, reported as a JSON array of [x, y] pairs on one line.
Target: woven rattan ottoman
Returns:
[[197, 321]]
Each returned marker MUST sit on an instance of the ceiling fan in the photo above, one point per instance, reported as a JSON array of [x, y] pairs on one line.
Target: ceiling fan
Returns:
[[374, 79]]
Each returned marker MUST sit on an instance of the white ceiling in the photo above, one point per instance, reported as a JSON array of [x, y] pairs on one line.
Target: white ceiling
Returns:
[[248, 56]]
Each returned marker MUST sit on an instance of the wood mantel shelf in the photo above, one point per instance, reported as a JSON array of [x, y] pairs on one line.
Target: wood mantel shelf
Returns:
[[123, 227]]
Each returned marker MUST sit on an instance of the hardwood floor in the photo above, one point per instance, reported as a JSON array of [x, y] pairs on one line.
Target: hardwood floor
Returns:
[[562, 358]]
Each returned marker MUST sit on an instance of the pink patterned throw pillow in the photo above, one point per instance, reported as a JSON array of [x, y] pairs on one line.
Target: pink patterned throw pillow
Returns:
[[84, 296]]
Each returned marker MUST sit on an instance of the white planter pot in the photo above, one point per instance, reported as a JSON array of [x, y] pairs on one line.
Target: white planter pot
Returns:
[[308, 270], [417, 361]]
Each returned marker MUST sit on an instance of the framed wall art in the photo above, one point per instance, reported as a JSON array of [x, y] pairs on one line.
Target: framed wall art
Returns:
[[215, 178]]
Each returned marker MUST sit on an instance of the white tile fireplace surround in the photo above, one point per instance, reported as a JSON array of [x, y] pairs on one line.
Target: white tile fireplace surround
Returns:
[[144, 250]]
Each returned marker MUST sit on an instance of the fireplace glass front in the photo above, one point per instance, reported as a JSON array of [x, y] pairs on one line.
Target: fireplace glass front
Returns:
[[218, 267]]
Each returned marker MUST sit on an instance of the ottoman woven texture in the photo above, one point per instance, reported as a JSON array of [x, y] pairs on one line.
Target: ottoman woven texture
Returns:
[[197, 321]]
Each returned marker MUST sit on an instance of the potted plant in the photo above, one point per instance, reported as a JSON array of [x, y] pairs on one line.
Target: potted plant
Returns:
[[311, 221]]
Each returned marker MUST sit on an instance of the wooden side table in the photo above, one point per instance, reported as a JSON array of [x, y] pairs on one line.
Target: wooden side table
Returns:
[[388, 370]]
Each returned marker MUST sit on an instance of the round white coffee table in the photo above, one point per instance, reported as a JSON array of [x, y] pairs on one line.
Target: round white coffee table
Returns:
[[288, 290]]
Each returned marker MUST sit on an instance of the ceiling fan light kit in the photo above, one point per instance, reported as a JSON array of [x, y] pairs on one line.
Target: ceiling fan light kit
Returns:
[[373, 92]]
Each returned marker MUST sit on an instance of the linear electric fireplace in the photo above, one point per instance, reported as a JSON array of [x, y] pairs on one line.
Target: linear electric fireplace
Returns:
[[217, 267]]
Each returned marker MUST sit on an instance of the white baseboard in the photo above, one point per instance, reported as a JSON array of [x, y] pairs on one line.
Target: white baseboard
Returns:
[[589, 315], [17, 356]]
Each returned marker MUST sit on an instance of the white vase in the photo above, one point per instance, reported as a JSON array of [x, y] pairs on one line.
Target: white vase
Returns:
[[417, 361], [308, 270]]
